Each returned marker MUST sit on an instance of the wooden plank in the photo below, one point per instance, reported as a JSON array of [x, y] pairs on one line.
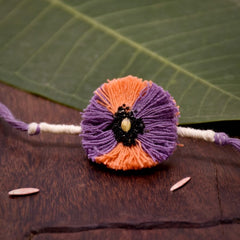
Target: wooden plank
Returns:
[[76, 195]]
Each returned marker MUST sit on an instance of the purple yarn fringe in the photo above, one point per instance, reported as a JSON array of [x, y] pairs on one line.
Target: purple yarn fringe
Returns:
[[6, 114], [159, 113], [223, 139], [97, 139]]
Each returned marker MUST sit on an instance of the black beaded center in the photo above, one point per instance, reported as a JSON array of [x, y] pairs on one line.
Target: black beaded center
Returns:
[[137, 126]]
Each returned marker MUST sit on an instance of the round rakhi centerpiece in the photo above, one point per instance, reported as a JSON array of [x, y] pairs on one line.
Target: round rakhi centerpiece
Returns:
[[126, 127]]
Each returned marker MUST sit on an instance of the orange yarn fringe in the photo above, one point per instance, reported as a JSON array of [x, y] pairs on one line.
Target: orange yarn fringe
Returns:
[[120, 91], [125, 158]]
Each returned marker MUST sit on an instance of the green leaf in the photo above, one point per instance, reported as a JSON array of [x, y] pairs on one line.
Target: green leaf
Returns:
[[64, 50]]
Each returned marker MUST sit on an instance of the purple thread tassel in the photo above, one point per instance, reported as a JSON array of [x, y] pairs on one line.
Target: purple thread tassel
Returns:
[[223, 139], [6, 114]]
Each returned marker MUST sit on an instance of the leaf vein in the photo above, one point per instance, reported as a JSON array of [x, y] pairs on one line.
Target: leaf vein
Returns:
[[49, 87], [136, 45], [95, 65], [68, 55], [54, 35], [185, 91], [172, 19], [195, 30], [19, 4], [27, 27], [172, 78], [134, 9], [159, 70], [225, 106], [130, 62], [217, 70], [202, 101], [207, 60], [201, 48]]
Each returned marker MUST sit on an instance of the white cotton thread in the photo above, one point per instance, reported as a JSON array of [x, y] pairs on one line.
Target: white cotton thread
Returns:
[[33, 128], [207, 135]]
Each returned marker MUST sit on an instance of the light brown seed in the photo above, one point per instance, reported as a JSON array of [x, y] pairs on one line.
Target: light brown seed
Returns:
[[126, 124], [180, 183], [23, 191]]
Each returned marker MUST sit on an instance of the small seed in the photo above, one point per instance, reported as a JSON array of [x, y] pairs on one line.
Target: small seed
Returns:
[[23, 191], [126, 124], [180, 184]]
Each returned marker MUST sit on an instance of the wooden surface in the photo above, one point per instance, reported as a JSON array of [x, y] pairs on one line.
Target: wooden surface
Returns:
[[82, 200]]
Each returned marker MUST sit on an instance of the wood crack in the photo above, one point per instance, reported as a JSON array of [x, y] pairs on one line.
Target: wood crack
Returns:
[[132, 226]]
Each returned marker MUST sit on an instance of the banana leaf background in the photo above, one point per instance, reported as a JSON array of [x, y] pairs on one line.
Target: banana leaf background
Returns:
[[63, 50]]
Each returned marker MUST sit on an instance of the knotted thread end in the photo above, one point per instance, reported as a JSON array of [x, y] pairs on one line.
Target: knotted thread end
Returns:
[[33, 129], [223, 139]]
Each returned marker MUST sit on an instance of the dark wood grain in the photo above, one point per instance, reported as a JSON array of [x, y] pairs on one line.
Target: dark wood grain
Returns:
[[82, 200]]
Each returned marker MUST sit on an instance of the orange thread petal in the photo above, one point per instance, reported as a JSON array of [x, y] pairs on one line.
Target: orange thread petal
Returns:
[[120, 91], [126, 158]]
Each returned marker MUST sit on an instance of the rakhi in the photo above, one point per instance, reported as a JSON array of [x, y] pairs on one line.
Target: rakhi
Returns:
[[128, 124]]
